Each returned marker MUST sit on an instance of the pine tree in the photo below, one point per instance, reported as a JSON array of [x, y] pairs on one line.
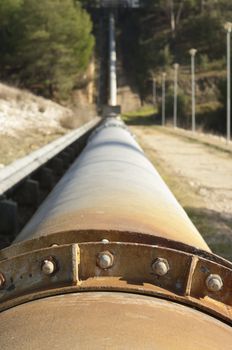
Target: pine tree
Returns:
[[52, 45]]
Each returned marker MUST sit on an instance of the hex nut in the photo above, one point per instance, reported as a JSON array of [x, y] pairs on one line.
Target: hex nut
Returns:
[[160, 266], [2, 280], [48, 266], [105, 260], [214, 283]]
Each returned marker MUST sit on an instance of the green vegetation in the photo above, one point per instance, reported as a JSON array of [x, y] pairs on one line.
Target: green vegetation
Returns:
[[161, 33], [46, 45], [145, 115]]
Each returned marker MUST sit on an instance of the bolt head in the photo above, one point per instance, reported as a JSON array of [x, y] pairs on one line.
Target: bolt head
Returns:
[[53, 245], [105, 260], [214, 283], [2, 280], [160, 266], [48, 267], [105, 241]]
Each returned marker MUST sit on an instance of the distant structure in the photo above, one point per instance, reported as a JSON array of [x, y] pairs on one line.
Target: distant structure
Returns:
[[120, 3]]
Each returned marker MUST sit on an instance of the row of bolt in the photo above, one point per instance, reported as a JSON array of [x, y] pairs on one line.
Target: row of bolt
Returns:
[[160, 267], [105, 260]]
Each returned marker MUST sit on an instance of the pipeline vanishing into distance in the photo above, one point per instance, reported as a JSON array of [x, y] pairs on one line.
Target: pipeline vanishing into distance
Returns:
[[111, 261]]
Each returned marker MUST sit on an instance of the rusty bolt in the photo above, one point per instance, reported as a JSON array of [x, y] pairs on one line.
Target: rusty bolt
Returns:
[[214, 283], [160, 266], [2, 280], [48, 266], [105, 260]]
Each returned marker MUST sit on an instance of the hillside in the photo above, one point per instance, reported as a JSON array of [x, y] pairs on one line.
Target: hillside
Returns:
[[152, 39], [28, 122]]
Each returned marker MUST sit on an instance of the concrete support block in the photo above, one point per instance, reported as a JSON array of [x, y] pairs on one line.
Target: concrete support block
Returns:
[[46, 178], [71, 152], [67, 159], [77, 149], [4, 242], [57, 166], [28, 193], [8, 218]]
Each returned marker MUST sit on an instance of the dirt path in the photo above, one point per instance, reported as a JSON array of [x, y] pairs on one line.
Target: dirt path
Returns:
[[201, 178]]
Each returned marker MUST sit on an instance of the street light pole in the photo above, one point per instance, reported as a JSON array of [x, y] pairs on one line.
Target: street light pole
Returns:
[[193, 53], [176, 67], [163, 98], [154, 91], [228, 27]]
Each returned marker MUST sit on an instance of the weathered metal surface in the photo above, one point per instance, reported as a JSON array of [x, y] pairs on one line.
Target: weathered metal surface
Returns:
[[111, 224], [20, 169], [24, 274], [129, 268], [110, 321], [81, 236], [113, 186]]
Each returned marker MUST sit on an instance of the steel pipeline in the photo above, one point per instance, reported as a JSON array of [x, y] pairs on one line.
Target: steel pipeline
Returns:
[[113, 186]]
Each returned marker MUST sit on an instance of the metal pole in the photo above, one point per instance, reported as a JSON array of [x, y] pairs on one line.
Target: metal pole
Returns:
[[176, 66], [228, 88], [193, 53], [193, 95], [154, 91], [163, 98], [112, 63]]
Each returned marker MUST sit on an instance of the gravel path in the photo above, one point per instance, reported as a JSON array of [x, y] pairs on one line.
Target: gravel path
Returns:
[[207, 171]]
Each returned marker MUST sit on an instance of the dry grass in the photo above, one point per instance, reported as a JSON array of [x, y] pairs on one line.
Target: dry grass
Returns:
[[79, 116], [214, 226], [28, 122]]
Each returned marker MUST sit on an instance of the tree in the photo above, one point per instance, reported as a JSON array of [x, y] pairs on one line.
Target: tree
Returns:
[[7, 8], [52, 45]]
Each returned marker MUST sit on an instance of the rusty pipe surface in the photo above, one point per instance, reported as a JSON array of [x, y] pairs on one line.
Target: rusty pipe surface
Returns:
[[80, 289], [113, 186], [110, 320]]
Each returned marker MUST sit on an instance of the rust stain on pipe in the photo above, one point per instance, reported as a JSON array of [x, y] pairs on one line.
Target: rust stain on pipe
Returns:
[[100, 234], [110, 321]]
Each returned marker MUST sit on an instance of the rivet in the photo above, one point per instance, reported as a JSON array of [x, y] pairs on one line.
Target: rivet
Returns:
[[160, 266], [105, 260], [48, 266], [214, 283], [2, 280], [105, 241]]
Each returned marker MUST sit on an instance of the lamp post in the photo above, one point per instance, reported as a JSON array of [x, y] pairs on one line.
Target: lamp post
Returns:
[[154, 91], [176, 67], [163, 98], [193, 53], [228, 27]]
